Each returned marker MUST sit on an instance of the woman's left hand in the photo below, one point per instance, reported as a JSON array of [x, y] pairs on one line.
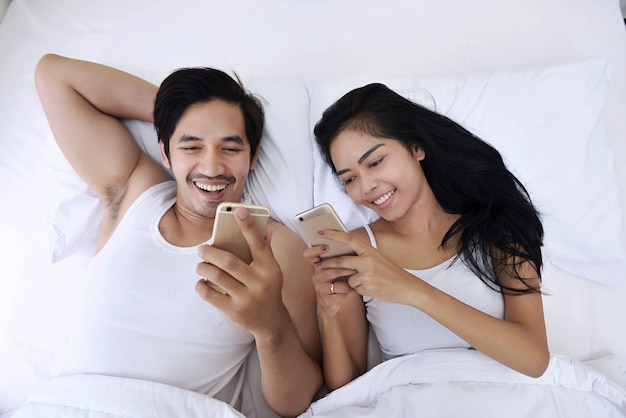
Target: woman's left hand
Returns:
[[376, 276]]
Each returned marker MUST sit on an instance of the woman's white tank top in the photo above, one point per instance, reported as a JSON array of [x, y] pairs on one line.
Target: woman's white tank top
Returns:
[[402, 329]]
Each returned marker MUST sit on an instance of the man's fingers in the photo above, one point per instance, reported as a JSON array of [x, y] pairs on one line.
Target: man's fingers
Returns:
[[251, 232], [217, 276], [209, 291], [218, 257]]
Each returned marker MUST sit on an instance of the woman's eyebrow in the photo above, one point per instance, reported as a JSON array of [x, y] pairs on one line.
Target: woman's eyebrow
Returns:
[[363, 157], [369, 152]]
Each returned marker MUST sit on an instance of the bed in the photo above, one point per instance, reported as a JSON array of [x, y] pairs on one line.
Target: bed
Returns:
[[542, 80]]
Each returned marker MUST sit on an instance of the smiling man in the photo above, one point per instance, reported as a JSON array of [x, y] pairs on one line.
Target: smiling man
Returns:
[[142, 314]]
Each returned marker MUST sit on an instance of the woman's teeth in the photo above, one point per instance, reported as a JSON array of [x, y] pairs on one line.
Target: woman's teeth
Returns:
[[384, 198]]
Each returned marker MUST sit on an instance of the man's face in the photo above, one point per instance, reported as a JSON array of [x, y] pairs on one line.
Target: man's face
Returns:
[[209, 157]]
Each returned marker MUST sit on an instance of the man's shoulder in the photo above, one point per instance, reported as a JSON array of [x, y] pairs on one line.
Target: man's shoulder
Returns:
[[288, 248], [287, 239], [165, 190], [280, 229]]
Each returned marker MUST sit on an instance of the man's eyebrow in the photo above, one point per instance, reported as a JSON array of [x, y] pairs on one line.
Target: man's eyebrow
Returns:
[[363, 157], [234, 138], [231, 138], [188, 138]]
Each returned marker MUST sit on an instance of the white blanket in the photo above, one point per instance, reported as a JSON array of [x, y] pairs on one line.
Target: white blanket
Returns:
[[438, 383], [465, 383], [98, 396]]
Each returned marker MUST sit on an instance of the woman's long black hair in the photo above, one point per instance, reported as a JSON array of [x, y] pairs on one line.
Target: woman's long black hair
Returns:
[[498, 224]]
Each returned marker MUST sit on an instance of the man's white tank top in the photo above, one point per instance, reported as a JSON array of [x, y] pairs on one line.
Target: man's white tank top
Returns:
[[402, 329], [143, 319]]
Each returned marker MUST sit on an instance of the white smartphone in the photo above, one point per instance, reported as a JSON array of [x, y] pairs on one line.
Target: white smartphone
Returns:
[[226, 233], [322, 217]]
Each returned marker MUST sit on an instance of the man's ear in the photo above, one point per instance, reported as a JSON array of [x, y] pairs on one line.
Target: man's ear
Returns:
[[164, 159], [255, 157]]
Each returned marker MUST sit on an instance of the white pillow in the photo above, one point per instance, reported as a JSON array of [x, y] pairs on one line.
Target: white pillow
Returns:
[[548, 123], [282, 179]]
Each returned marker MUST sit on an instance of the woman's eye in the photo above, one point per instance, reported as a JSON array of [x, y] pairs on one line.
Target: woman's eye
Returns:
[[348, 181], [376, 162]]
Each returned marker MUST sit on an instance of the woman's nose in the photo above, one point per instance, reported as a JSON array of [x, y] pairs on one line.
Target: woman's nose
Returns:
[[368, 184]]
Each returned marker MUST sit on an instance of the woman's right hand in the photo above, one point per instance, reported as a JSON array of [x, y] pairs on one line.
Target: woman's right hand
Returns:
[[331, 286]]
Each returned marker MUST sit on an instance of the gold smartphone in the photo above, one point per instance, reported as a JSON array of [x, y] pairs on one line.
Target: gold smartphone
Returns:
[[226, 233], [322, 217]]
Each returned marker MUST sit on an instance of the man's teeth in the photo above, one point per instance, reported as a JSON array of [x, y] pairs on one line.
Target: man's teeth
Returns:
[[211, 187], [383, 198]]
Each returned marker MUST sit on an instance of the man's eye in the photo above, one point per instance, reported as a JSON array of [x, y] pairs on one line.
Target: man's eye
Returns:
[[232, 150]]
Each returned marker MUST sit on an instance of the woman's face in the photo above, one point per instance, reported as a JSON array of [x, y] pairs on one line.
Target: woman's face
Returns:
[[378, 172]]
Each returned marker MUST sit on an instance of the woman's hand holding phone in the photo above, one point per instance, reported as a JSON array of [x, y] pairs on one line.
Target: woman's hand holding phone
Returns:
[[320, 218], [330, 284]]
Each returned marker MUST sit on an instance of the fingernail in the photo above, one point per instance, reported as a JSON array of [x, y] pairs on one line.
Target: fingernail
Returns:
[[242, 213]]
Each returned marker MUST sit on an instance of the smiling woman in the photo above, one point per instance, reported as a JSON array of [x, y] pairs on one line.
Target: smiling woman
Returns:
[[450, 212]]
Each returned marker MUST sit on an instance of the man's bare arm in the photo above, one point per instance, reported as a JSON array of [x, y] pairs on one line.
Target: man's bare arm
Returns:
[[83, 102], [293, 353], [273, 298]]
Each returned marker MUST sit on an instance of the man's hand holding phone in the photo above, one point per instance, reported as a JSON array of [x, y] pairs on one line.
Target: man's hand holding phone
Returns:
[[227, 234], [248, 292]]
